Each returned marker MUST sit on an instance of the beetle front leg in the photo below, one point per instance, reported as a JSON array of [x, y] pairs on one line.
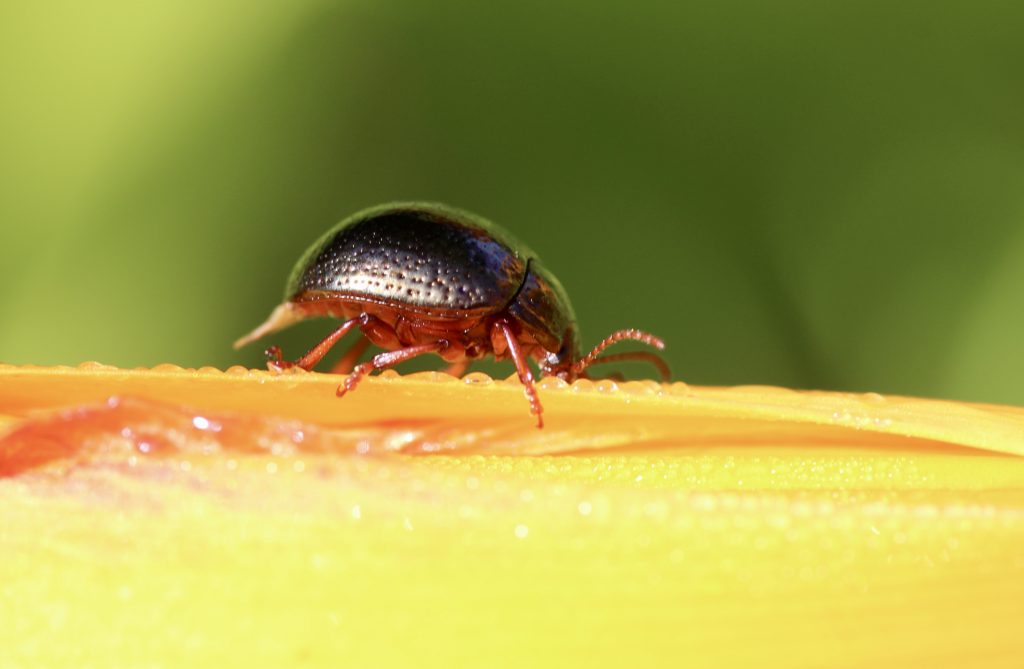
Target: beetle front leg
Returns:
[[502, 329]]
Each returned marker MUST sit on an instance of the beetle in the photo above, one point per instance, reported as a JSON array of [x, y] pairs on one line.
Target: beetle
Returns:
[[417, 278]]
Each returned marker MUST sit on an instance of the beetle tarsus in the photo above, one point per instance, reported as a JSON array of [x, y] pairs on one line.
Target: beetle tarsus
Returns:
[[275, 359], [388, 359], [353, 379], [522, 369]]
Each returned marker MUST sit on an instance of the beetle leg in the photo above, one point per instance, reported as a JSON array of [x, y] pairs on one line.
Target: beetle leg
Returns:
[[457, 368], [314, 355], [275, 358], [348, 361], [388, 359], [522, 368]]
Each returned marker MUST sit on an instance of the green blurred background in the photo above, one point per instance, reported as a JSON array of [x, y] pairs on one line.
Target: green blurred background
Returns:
[[799, 193]]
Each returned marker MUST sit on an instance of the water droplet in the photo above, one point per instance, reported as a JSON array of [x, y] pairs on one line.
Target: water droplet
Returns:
[[552, 383], [93, 365], [679, 388], [477, 379]]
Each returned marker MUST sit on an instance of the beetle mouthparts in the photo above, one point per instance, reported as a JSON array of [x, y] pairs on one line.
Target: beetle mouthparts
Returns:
[[283, 316]]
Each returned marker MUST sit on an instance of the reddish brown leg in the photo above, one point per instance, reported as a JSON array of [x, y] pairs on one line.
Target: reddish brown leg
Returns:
[[348, 361], [457, 368], [613, 338], [315, 354], [646, 356], [523, 369], [388, 359]]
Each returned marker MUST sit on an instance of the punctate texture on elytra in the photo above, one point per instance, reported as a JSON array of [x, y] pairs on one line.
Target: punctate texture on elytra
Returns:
[[429, 258]]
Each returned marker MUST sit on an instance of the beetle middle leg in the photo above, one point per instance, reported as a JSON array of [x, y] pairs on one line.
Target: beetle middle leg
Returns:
[[388, 359], [348, 361], [457, 368]]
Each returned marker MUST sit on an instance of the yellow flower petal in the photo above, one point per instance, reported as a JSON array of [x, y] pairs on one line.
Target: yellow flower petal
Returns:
[[212, 518]]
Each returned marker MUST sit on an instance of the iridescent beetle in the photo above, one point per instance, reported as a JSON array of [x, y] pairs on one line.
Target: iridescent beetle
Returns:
[[418, 278]]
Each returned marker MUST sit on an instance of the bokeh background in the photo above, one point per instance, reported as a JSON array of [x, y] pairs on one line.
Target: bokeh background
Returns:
[[799, 193]]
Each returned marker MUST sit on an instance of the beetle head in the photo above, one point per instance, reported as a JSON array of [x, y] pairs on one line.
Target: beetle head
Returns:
[[562, 362]]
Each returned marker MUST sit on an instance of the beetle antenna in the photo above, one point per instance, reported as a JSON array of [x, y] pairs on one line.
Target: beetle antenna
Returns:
[[614, 338], [647, 356]]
